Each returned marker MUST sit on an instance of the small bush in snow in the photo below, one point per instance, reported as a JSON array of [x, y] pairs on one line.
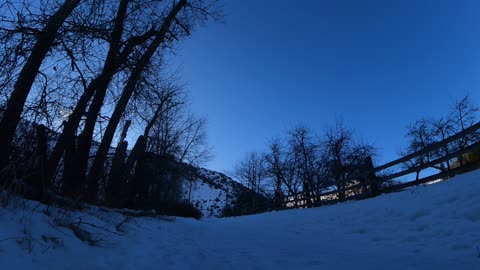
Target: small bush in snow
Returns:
[[179, 209]]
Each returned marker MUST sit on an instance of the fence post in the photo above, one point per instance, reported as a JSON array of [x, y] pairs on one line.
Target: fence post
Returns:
[[371, 177]]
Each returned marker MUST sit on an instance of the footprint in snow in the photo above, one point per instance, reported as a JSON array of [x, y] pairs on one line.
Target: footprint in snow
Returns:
[[418, 214]]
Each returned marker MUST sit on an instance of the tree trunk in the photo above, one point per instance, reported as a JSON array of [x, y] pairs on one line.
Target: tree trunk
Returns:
[[278, 193], [341, 191], [37, 186], [71, 187], [85, 143], [135, 157], [116, 184], [136, 154], [371, 177], [23, 85]]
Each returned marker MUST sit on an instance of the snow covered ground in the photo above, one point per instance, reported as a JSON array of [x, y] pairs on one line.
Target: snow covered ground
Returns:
[[431, 227]]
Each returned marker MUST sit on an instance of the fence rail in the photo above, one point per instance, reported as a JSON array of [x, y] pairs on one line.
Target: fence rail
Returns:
[[371, 185]]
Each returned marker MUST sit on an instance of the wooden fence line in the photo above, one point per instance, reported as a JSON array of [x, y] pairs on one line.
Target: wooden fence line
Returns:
[[441, 175], [430, 148], [468, 149], [374, 185]]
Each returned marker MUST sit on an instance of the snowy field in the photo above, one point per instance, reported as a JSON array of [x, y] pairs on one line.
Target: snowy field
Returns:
[[430, 227]]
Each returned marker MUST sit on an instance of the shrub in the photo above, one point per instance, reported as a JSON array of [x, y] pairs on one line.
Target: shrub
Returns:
[[179, 209]]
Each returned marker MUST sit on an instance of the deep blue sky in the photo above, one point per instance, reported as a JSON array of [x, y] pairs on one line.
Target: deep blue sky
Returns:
[[378, 65]]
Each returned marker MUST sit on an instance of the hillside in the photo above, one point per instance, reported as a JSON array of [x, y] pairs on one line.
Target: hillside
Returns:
[[428, 227], [211, 191]]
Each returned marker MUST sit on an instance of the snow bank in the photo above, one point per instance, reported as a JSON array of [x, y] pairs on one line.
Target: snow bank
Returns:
[[429, 227]]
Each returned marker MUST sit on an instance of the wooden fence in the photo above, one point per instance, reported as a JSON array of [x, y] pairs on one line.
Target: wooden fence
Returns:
[[370, 183]]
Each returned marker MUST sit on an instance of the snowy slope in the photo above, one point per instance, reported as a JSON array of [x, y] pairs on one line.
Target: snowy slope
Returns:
[[431, 227], [205, 197], [210, 191]]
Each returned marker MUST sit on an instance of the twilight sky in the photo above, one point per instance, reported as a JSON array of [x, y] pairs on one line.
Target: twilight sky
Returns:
[[378, 65]]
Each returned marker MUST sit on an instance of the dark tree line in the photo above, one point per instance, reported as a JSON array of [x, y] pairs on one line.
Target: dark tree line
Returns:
[[77, 75], [304, 164]]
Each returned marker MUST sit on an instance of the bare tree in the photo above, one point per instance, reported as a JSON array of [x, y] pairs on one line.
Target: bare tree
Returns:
[[305, 153], [344, 156], [420, 135], [114, 59], [11, 115], [279, 169], [99, 53], [97, 103], [251, 170], [442, 129], [170, 134], [178, 133], [132, 38], [193, 146], [426, 131], [464, 114]]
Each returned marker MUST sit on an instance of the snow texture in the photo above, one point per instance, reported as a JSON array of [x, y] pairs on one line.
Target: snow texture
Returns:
[[210, 193], [429, 227]]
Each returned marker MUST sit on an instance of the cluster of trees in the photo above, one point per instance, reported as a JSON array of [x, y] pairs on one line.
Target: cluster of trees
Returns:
[[303, 165], [427, 131], [306, 164], [73, 71]]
